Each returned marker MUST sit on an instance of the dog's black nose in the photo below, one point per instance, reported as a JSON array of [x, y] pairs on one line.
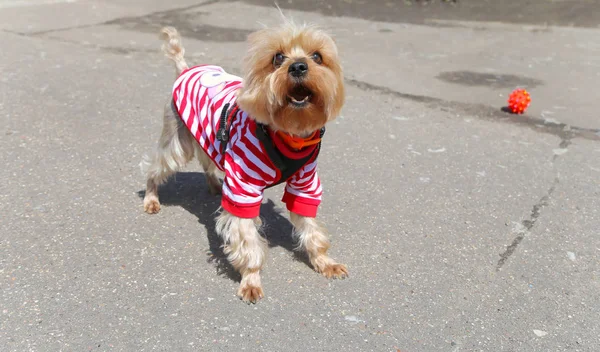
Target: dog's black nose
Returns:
[[298, 69]]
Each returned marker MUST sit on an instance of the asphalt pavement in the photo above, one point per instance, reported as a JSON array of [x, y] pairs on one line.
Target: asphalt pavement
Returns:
[[464, 228]]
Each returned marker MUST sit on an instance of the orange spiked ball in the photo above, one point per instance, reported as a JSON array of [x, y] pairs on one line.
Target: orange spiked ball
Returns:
[[518, 101]]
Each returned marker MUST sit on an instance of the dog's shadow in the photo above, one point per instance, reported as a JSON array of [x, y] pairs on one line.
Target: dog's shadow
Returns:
[[190, 191]]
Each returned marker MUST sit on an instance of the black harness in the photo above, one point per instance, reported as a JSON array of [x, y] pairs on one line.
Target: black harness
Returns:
[[287, 166]]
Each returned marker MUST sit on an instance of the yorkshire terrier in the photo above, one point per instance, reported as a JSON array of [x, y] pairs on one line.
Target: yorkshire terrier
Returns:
[[260, 131]]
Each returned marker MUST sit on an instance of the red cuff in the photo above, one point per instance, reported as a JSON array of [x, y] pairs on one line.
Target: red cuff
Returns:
[[241, 211], [300, 205]]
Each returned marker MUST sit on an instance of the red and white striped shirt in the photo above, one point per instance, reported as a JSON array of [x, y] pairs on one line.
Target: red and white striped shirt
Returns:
[[199, 95]]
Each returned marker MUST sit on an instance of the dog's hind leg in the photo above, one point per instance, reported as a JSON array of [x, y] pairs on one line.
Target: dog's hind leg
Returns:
[[175, 149]]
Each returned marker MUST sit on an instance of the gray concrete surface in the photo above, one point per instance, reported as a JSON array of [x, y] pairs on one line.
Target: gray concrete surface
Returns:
[[464, 228]]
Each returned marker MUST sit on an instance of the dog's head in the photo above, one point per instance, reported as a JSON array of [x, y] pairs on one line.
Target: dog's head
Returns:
[[293, 79]]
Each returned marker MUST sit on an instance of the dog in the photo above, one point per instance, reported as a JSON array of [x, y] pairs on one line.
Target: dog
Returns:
[[261, 130]]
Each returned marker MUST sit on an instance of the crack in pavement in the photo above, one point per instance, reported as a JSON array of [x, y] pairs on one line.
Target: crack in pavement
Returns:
[[117, 50], [110, 49], [187, 25], [144, 23], [562, 147], [526, 225], [563, 131], [157, 13], [115, 20]]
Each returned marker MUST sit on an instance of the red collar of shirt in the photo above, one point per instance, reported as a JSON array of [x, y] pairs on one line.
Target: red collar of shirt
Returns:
[[282, 143]]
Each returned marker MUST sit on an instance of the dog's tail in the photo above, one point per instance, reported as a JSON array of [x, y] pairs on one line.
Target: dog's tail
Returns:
[[173, 49]]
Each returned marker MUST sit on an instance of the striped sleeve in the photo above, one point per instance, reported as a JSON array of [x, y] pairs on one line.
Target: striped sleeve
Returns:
[[303, 191], [247, 173]]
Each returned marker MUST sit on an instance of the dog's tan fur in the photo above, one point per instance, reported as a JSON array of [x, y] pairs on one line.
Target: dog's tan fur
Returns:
[[265, 90], [264, 97]]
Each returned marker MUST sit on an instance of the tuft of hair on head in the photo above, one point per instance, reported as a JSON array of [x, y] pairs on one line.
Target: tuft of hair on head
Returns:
[[281, 12], [289, 23]]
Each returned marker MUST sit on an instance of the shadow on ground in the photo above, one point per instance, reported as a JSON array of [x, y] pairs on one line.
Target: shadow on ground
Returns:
[[578, 13], [189, 191]]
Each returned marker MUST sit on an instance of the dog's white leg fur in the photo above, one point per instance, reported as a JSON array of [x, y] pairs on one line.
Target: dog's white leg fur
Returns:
[[246, 250], [313, 239]]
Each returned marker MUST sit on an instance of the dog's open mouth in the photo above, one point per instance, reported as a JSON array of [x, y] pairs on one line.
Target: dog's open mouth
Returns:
[[299, 96]]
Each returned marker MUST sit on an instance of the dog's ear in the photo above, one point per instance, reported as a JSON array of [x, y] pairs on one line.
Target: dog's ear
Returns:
[[261, 46], [260, 38], [251, 38], [332, 38], [257, 65]]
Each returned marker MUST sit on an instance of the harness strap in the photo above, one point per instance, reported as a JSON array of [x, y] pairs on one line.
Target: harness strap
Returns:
[[274, 155], [287, 166]]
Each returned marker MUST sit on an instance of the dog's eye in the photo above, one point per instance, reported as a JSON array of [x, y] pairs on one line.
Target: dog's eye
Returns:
[[278, 60], [317, 58]]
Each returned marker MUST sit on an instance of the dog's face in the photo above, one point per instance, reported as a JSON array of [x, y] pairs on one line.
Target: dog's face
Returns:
[[293, 80]]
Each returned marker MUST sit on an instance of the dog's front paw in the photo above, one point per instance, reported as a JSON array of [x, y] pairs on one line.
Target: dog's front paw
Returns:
[[334, 271], [250, 293], [151, 205]]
